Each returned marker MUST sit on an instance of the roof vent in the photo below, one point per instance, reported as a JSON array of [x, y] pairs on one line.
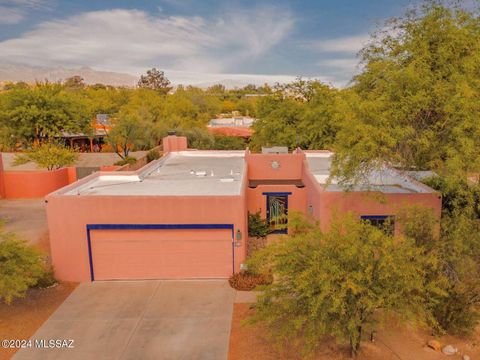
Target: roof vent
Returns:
[[275, 150]]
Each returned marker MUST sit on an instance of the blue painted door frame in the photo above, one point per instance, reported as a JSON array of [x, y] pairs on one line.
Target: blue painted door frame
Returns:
[[286, 195]]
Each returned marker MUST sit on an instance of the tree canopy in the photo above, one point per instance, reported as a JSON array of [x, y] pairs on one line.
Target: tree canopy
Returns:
[[155, 80], [41, 112], [306, 114], [47, 155], [417, 98], [336, 282]]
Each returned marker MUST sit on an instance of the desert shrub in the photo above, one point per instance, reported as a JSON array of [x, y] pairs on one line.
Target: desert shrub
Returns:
[[247, 281], [153, 155], [254, 244], [257, 227], [128, 160], [21, 267]]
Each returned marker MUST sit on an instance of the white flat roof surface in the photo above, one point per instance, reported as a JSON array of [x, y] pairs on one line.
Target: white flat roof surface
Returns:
[[187, 173], [384, 179]]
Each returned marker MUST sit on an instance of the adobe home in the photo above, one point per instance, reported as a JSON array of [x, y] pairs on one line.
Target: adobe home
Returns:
[[184, 216]]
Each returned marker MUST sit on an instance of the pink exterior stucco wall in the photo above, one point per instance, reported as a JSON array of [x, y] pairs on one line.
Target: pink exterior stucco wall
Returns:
[[314, 190], [174, 143], [2, 182], [35, 184], [256, 201], [260, 166], [324, 205], [68, 216], [374, 203]]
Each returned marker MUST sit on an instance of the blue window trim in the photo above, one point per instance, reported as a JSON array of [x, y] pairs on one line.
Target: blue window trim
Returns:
[[286, 194], [155, 227], [375, 217], [381, 217]]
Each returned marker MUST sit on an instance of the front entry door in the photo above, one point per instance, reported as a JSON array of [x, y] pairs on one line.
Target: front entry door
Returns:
[[277, 213]]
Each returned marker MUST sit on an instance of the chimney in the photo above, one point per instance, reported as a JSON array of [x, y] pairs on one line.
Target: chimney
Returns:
[[172, 143]]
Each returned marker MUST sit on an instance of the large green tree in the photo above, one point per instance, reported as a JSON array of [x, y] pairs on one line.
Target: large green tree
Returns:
[[459, 251], [29, 114], [339, 282], [128, 132], [305, 114], [155, 80], [416, 102]]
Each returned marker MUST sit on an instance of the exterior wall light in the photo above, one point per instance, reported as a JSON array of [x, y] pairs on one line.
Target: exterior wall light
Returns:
[[275, 165], [238, 235]]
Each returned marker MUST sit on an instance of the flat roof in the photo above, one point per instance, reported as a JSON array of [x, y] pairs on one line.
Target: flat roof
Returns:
[[384, 179], [187, 173]]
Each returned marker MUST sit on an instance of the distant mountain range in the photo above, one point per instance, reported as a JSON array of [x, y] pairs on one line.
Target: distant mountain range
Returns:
[[30, 74]]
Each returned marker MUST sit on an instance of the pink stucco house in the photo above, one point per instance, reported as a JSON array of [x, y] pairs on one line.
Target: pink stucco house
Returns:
[[185, 215]]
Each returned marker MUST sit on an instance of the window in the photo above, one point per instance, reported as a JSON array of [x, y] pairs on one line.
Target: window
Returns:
[[383, 222]]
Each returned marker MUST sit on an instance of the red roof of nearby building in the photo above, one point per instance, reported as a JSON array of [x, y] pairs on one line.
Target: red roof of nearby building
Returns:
[[232, 131]]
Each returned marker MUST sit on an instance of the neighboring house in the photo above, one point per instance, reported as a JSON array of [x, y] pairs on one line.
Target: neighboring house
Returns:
[[90, 142], [239, 126], [185, 215]]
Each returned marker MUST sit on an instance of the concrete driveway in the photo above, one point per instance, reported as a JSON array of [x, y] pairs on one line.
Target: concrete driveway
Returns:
[[141, 320]]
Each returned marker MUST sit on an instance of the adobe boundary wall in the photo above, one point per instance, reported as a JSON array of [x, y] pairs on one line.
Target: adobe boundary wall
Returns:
[[33, 184]]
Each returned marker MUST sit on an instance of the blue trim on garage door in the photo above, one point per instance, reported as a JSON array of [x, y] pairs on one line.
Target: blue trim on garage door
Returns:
[[154, 226]]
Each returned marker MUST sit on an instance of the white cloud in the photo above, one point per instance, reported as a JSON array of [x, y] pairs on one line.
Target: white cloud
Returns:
[[347, 44], [340, 63], [132, 40], [10, 16], [34, 4], [14, 11]]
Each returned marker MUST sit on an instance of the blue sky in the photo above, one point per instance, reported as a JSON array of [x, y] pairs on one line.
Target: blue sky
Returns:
[[195, 41]]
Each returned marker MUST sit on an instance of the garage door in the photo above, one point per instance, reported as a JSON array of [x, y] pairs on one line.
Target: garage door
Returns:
[[161, 253]]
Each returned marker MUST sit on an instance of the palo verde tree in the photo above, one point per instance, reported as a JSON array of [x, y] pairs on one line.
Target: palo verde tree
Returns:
[[128, 131], [459, 251], [416, 102], [339, 282], [47, 155]]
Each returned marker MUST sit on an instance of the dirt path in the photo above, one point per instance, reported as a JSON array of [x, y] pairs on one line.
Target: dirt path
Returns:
[[21, 319], [26, 218], [394, 343]]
